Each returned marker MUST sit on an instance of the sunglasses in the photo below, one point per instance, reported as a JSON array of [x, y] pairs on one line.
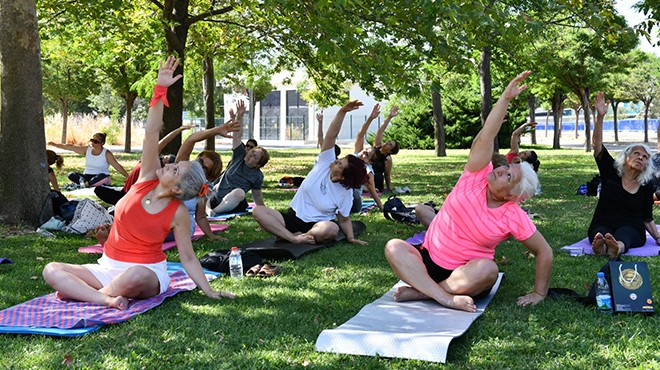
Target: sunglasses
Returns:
[[94, 141]]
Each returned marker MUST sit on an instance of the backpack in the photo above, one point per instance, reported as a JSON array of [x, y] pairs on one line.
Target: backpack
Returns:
[[395, 210], [218, 261], [88, 215]]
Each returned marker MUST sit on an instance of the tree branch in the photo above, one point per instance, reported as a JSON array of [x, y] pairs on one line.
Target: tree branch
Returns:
[[211, 13]]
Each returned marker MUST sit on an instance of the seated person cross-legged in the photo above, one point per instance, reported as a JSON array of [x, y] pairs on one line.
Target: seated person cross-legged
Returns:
[[326, 193], [455, 262]]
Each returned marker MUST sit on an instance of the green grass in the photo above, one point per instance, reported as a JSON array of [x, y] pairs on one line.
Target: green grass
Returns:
[[274, 322]]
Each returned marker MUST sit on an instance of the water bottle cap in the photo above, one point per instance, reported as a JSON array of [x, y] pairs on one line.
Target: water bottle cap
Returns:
[[600, 274], [234, 248]]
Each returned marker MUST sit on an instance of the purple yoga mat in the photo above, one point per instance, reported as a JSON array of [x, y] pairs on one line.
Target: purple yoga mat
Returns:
[[649, 249]]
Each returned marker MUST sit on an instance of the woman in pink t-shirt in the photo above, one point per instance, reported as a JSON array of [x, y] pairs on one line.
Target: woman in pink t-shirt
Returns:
[[455, 263]]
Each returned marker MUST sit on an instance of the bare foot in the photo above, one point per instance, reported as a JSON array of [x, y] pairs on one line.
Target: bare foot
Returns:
[[102, 232], [407, 293], [304, 239], [118, 302], [598, 245], [614, 247], [461, 302]]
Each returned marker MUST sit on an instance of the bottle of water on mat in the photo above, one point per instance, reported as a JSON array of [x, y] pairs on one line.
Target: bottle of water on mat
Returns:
[[603, 296], [235, 263]]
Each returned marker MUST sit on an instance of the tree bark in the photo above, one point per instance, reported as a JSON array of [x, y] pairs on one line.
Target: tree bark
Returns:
[[486, 89], [130, 101], [65, 117], [439, 119], [557, 100], [208, 86], [584, 99], [615, 108], [21, 117], [647, 106]]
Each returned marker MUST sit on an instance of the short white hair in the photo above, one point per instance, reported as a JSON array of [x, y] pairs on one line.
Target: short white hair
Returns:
[[529, 182], [620, 161]]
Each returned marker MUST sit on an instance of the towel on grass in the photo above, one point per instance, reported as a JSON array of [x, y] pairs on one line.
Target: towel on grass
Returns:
[[420, 330], [98, 248], [649, 249], [49, 315]]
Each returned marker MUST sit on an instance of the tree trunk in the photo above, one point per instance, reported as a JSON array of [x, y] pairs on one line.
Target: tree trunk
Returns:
[[208, 86], [647, 106], [65, 117], [175, 13], [577, 121], [22, 133], [584, 99], [486, 89], [531, 104], [557, 100], [439, 119], [130, 101], [615, 108]]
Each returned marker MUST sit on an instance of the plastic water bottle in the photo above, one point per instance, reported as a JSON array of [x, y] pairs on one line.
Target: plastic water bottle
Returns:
[[82, 182], [235, 263], [603, 296]]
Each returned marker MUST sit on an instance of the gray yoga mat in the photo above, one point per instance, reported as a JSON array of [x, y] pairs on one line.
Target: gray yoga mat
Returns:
[[420, 330]]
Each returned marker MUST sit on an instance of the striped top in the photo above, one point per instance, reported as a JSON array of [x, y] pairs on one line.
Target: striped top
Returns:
[[466, 229]]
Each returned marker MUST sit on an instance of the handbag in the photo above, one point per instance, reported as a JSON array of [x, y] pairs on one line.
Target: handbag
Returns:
[[87, 216], [631, 287]]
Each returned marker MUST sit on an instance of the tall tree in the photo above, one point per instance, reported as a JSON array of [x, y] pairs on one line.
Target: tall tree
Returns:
[[21, 116], [643, 83]]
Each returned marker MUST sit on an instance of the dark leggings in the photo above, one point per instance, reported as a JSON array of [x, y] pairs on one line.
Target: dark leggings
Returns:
[[630, 236], [90, 179]]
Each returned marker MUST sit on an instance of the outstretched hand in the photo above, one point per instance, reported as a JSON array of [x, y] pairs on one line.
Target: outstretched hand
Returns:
[[529, 299], [240, 108], [513, 90], [166, 72], [319, 117], [375, 112], [218, 295], [393, 112], [351, 105], [227, 127], [600, 104]]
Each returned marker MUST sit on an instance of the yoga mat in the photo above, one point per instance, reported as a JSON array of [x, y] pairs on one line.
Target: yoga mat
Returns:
[[367, 204], [98, 248], [281, 249], [417, 239], [86, 191], [48, 315], [227, 216], [420, 330], [649, 249]]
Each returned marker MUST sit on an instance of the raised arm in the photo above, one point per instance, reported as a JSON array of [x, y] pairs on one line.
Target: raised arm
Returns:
[[481, 151], [359, 140], [166, 78], [238, 135], [601, 109], [515, 136], [378, 140], [189, 144], [80, 149], [333, 130], [170, 136]]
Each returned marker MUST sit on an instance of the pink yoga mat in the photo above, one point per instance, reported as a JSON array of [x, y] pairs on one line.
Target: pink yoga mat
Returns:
[[98, 248]]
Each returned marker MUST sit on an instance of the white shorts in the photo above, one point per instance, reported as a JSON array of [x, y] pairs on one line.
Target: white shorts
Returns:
[[108, 269]]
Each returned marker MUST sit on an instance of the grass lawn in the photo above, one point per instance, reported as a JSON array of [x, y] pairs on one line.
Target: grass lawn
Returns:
[[274, 322]]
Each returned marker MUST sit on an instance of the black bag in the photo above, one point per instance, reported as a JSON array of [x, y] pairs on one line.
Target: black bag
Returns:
[[68, 209], [395, 210], [218, 261]]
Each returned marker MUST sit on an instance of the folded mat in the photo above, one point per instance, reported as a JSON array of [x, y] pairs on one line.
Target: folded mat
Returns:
[[282, 249], [420, 330], [227, 216], [48, 315], [649, 249], [367, 204], [98, 248]]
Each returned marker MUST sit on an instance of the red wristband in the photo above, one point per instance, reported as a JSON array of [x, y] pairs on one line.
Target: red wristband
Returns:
[[160, 92]]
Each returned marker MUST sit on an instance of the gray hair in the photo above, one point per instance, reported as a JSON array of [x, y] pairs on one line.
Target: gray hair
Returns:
[[620, 161], [191, 181], [529, 182]]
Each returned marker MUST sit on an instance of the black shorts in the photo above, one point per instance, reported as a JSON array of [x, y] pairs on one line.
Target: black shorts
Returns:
[[436, 272], [439, 274], [294, 224]]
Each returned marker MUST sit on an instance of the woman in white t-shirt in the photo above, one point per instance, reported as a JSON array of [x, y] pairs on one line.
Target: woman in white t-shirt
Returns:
[[97, 162], [326, 193]]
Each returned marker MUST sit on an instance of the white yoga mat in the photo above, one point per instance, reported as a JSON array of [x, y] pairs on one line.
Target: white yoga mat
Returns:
[[420, 330], [85, 192]]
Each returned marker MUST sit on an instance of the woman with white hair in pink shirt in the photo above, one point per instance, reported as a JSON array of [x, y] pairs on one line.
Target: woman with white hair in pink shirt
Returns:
[[455, 262]]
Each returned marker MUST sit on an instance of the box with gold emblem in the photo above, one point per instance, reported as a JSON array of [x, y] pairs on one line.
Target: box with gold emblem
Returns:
[[631, 287]]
